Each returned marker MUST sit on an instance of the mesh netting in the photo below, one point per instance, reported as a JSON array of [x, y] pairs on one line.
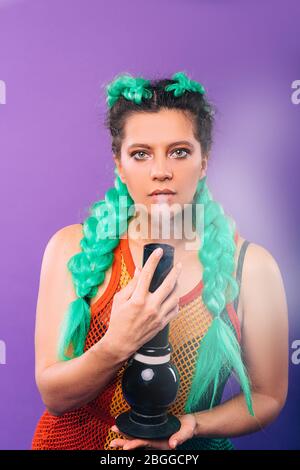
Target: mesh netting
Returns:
[[88, 427]]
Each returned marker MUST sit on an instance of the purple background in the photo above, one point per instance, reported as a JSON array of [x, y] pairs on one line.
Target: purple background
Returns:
[[56, 160]]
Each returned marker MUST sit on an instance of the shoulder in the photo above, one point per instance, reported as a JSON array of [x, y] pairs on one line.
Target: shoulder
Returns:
[[262, 288], [69, 232], [65, 243], [70, 235], [62, 244], [259, 262]]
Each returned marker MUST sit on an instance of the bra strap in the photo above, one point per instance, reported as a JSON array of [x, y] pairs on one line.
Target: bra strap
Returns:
[[239, 271]]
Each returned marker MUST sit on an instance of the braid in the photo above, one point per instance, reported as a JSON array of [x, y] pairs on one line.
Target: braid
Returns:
[[102, 230], [219, 352]]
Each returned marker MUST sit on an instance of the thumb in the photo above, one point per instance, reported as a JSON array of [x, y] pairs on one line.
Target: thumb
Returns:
[[180, 436], [175, 440], [128, 290]]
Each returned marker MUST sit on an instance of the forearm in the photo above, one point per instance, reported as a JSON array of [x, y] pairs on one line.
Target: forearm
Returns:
[[232, 418], [70, 384]]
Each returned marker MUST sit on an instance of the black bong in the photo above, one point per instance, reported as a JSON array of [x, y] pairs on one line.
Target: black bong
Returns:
[[150, 382]]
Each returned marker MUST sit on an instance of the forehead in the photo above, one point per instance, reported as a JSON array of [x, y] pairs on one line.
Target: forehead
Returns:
[[164, 126]]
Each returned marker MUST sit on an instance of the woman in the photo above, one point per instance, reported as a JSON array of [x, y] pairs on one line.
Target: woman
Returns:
[[226, 306]]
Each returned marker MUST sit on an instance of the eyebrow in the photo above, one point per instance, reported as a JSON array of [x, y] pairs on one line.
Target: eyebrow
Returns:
[[180, 142]]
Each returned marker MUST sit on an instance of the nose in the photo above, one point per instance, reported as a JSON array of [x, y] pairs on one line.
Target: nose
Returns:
[[160, 170]]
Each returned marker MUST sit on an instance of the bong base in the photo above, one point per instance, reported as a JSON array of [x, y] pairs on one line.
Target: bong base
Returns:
[[149, 431]]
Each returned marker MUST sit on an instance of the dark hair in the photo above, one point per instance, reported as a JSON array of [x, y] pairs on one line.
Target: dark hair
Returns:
[[194, 105]]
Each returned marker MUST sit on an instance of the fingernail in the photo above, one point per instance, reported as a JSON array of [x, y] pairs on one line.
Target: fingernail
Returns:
[[174, 444], [112, 444], [136, 271], [158, 251]]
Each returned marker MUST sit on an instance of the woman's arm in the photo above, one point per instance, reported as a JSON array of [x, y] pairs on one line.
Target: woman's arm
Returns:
[[65, 385], [265, 351], [70, 384]]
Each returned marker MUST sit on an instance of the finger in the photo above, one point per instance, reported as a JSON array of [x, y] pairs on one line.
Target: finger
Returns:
[[171, 302], [185, 432], [117, 430], [133, 444], [126, 444], [165, 319], [162, 444], [146, 275], [128, 290], [117, 443], [167, 286]]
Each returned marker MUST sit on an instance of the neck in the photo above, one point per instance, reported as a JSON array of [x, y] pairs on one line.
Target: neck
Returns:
[[183, 239]]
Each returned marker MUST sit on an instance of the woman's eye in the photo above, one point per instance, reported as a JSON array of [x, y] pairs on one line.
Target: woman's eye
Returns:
[[182, 150], [136, 153], [177, 150]]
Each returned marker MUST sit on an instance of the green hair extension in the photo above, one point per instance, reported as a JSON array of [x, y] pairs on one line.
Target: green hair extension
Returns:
[[108, 219], [131, 88], [184, 83], [219, 352]]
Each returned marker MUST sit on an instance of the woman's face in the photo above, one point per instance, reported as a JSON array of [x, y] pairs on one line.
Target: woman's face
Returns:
[[152, 158]]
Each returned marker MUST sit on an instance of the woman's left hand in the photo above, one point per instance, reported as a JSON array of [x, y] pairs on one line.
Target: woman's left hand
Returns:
[[186, 431]]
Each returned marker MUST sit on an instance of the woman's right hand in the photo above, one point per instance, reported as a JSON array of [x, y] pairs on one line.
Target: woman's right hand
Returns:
[[137, 315]]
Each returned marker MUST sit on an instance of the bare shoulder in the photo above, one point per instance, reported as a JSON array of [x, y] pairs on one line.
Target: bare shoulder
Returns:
[[262, 287], [259, 261], [65, 242], [60, 247], [68, 236]]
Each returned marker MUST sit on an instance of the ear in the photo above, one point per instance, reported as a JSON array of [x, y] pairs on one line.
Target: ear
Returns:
[[120, 168], [203, 167]]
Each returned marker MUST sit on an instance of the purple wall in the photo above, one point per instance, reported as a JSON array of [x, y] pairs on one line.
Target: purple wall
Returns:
[[55, 157]]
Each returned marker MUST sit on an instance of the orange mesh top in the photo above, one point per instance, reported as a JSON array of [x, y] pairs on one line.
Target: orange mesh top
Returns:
[[88, 427]]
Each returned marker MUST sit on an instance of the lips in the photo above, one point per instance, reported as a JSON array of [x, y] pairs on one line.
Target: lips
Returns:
[[163, 191], [162, 198]]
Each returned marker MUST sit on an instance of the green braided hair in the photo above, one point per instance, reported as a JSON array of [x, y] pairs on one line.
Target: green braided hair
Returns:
[[102, 230], [131, 88], [219, 352], [183, 84]]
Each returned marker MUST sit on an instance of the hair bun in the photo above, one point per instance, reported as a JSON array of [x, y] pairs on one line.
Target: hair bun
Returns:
[[184, 83], [134, 89]]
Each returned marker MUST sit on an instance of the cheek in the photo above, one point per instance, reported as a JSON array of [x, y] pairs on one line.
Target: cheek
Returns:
[[189, 178], [132, 168], [135, 184], [136, 177]]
